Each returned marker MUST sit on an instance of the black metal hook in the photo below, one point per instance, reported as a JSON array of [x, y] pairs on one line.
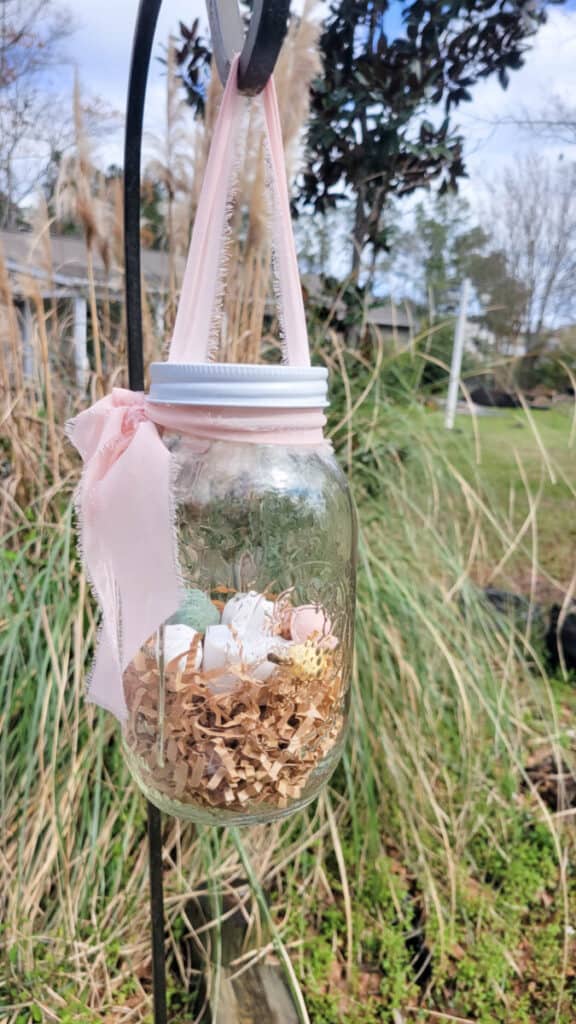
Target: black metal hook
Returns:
[[140, 62], [259, 50]]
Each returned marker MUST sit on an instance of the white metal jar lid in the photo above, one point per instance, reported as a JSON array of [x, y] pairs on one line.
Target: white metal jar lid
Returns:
[[239, 384]]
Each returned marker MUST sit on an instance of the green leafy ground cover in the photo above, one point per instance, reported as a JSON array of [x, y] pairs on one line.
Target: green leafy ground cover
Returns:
[[435, 881]]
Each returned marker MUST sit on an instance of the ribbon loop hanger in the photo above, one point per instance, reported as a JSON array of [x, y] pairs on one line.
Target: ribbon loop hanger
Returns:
[[258, 55]]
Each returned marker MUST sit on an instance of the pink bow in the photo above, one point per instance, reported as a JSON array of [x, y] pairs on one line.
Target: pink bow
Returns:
[[126, 533]]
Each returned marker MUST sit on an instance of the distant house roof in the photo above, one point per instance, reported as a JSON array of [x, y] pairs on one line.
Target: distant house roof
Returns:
[[387, 316], [390, 317], [25, 257]]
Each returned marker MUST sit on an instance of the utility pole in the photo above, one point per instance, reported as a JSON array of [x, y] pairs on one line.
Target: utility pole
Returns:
[[457, 353]]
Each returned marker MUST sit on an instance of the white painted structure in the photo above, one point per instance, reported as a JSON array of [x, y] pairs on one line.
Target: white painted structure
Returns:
[[80, 321], [457, 353], [66, 281], [26, 320]]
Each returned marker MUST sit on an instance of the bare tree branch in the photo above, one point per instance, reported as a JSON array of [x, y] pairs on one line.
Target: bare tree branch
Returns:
[[32, 124], [555, 122], [533, 219]]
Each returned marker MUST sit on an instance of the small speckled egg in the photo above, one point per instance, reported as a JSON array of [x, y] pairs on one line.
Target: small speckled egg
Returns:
[[308, 620]]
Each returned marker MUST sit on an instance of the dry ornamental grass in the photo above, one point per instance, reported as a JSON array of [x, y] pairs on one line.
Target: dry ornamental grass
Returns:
[[445, 781]]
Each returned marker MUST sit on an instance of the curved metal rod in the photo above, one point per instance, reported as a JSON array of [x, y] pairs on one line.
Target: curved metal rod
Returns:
[[259, 51], [140, 62], [141, 50]]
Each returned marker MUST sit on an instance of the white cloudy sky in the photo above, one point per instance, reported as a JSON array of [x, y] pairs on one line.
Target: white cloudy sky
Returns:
[[101, 49], [549, 71]]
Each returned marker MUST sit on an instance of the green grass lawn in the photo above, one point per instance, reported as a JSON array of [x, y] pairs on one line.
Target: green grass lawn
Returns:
[[526, 462], [510, 476]]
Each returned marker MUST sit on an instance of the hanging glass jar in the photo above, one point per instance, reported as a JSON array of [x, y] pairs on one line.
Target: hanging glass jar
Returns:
[[237, 705]]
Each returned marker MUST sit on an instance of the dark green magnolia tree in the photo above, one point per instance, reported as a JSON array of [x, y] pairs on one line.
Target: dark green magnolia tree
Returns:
[[381, 122], [192, 55]]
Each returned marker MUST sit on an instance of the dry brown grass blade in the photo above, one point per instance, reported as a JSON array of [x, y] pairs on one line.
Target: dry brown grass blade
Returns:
[[346, 891], [10, 354], [437, 1015], [46, 377], [352, 407], [82, 195], [298, 65]]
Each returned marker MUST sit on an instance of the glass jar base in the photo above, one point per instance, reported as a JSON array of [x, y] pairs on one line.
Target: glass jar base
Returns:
[[255, 815]]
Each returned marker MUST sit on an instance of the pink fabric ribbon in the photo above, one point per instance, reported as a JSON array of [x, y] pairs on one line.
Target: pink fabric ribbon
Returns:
[[198, 316], [124, 502], [126, 534], [243, 425]]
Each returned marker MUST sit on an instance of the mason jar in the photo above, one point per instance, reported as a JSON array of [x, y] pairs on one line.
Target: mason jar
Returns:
[[237, 705]]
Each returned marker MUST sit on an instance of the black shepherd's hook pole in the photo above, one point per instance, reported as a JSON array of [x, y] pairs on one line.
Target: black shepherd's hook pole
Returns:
[[141, 50], [259, 51]]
